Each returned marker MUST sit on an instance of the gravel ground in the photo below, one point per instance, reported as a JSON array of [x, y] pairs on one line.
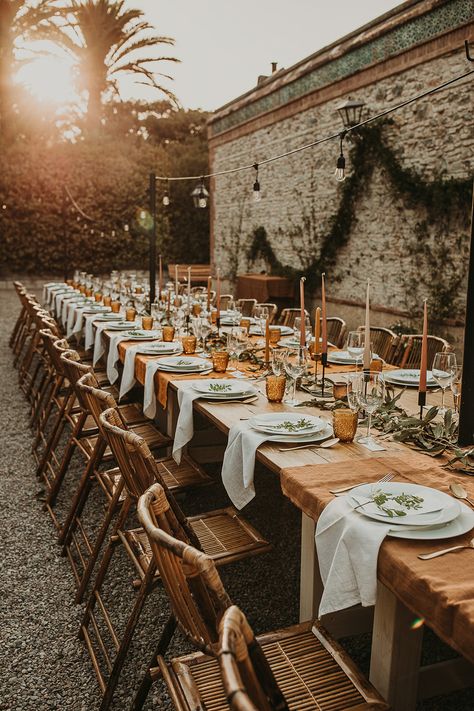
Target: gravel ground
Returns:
[[44, 665]]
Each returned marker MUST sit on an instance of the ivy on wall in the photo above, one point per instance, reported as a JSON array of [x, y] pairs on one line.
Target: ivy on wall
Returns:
[[445, 202]]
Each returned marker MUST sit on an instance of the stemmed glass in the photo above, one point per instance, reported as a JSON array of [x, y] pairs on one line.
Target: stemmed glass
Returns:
[[355, 345], [296, 364], [352, 398], [370, 390], [456, 388], [261, 315], [307, 328], [444, 372], [239, 338], [278, 361]]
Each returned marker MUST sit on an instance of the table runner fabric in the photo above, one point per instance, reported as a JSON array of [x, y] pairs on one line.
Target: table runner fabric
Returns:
[[442, 588]]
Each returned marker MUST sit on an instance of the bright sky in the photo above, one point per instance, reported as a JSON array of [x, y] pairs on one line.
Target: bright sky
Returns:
[[225, 44]]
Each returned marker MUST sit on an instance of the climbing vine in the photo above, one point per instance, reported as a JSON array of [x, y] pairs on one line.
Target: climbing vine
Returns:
[[444, 201]]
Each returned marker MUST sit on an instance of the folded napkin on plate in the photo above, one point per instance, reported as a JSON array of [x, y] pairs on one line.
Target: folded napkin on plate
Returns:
[[149, 396], [184, 426], [348, 547], [128, 375], [239, 462]]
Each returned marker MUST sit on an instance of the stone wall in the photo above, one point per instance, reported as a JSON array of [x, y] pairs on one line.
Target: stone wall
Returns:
[[434, 137]]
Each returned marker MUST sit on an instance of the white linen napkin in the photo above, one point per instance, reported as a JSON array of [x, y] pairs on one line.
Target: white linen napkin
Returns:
[[128, 374], [99, 347], [348, 547], [113, 355], [239, 462], [149, 396], [185, 425]]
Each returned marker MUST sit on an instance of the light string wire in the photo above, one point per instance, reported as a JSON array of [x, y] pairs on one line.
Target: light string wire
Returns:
[[76, 206], [325, 139]]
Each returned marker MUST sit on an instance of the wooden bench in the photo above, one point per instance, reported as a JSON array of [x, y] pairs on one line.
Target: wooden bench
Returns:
[[199, 272]]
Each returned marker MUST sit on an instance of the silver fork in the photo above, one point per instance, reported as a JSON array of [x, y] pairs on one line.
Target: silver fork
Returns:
[[383, 480]]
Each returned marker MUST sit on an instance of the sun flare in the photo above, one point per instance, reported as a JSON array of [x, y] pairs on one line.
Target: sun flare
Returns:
[[49, 79]]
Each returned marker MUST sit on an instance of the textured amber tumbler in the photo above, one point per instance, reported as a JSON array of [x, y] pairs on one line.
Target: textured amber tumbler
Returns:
[[220, 361], [345, 424], [275, 386]]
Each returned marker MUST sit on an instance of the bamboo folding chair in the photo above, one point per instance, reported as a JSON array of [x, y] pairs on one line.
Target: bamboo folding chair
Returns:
[[19, 323], [412, 354], [336, 329], [29, 306], [32, 362], [287, 316], [178, 478], [384, 341], [299, 668], [222, 533], [246, 306], [225, 301], [272, 311]]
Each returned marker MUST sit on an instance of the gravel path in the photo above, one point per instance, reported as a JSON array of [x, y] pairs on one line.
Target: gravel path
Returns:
[[44, 667]]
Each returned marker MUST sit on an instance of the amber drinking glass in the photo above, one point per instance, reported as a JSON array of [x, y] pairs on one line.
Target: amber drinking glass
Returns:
[[168, 333], [275, 336], [220, 361], [147, 323], [275, 386], [339, 390], [115, 306], [130, 314], [107, 300], [189, 344], [344, 424]]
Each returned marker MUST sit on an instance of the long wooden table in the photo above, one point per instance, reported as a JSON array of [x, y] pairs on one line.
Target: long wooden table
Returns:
[[396, 645]]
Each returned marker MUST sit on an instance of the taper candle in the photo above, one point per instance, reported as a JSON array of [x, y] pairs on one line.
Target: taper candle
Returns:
[[302, 313], [176, 280], [218, 296], [324, 325], [160, 276], [424, 351], [209, 284], [189, 289], [267, 340], [317, 332], [367, 355]]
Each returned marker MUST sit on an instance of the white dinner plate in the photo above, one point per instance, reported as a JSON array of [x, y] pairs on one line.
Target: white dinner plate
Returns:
[[437, 507], [184, 362], [409, 377], [269, 423], [109, 317], [185, 371], [139, 335], [285, 330], [162, 348], [457, 527], [120, 326], [345, 358], [232, 390], [319, 436]]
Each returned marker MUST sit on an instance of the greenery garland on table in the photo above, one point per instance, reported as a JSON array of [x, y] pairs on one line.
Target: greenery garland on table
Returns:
[[427, 435], [440, 198]]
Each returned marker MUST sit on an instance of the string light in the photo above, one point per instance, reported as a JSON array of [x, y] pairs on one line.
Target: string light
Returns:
[[126, 228], [4, 207], [257, 195], [200, 194], [113, 233], [166, 196], [340, 173]]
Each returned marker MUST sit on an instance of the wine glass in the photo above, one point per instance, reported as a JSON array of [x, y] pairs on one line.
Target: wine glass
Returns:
[[206, 329], [278, 361], [296, 363], [307, 328], [444, 370], [370, 389], [352, 399], [261, 315], [456, 388], [355, 345], [240, 342]]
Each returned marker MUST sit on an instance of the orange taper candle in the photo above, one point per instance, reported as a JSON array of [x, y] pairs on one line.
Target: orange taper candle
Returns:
[[302, 313], [267, 340], [367, 354], [324, 327], [209, 284], [424, 350]]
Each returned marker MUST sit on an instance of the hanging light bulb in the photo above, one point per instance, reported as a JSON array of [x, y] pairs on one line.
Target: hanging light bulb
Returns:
[[113, 233], [125, 228], [166, 196], [257, 195], [340, 173], [200, 195]]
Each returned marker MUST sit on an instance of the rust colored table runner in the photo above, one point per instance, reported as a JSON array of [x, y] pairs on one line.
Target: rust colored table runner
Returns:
[[440, 590], [264, 287]]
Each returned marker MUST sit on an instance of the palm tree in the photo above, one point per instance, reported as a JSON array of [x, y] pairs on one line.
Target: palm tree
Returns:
[[20, 20], [105, 40]]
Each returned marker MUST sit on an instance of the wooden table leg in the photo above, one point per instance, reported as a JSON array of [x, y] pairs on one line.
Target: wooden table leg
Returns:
[[396, 651], [310, 591]]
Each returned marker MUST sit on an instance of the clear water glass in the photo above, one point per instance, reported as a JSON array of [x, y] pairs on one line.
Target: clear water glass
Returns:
[[370, 389], [355, 345], [296, 364], [444, 371]]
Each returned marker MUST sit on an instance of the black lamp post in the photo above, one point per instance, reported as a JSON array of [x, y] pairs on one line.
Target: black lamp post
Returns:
[[466, 408], [152, 238], [350, 112]]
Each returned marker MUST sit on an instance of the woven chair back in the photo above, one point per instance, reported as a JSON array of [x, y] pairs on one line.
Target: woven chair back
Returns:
[[97, 400], [74, 370], [412, 355], [195, 590], [225, 301], [248, 680], [246, 306], [272, 310], [384, 341], [287, 316]]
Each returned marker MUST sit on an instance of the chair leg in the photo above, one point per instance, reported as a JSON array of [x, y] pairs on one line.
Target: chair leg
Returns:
[[55, 434], [163, 644], [112, 507], [67, 456], [144, 591]]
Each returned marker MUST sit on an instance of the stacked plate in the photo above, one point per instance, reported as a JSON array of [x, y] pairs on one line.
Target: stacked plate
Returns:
[[257, 331], [121, 326], [345, 358], [184, 364], [161, 348], [96, 310], [291, 427], [137, 334], [412, 511], [230, 318], [110, 317], [409, 377], [224, 390]]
